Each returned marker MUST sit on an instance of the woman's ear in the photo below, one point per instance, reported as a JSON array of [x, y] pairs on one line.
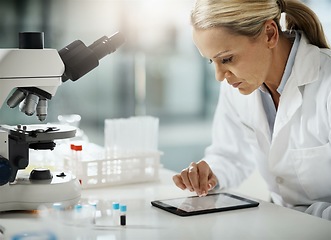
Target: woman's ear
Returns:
[[271, 32]]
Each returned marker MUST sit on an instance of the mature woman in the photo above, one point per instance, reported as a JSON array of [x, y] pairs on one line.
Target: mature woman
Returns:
[[274, 109]]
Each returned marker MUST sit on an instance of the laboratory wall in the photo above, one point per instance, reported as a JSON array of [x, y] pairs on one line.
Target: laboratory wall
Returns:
[[158, 71]]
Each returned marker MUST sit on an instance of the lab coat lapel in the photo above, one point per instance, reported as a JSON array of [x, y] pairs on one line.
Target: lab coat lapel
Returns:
[[290, 101], [303, 72], [261, 121]]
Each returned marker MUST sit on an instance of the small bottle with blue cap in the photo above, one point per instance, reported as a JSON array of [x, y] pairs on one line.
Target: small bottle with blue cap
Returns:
[[116, 213], [123, 215]]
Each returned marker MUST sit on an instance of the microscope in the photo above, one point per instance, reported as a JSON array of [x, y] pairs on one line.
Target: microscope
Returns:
[[34, 73]]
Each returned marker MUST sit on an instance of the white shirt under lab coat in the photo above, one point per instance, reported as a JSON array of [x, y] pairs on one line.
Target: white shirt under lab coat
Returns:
[[296, 160]]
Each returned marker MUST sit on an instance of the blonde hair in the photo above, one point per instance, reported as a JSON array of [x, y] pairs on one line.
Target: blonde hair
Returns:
[[247, 17]]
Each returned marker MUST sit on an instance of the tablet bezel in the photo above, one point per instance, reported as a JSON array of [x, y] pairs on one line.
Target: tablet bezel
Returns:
[[247, 203]]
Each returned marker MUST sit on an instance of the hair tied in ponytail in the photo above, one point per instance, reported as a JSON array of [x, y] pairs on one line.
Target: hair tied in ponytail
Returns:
[[282, 5]]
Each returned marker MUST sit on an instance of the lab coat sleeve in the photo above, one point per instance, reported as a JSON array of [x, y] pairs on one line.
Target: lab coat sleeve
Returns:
[[231, 153], [322, 209], [318, 209]]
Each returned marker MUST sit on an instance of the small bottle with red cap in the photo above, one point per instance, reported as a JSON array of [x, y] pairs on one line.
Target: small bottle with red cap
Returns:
[[76, 150]]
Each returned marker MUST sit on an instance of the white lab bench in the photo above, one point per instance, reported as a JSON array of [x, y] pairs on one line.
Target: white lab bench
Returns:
[[144, 221]]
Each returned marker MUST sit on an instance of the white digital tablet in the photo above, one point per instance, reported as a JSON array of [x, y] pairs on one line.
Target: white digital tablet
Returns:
[[216, 202]]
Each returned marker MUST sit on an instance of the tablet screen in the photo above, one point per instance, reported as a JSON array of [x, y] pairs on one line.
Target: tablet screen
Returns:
[[199, 205]]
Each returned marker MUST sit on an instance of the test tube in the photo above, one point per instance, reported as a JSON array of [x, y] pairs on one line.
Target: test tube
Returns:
[[94, 212], [116, 213], [76, 151], [123, 215], [73, 160], [80, 173]]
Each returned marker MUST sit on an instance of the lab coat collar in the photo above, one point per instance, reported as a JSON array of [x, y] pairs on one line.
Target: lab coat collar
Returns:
[[305, 70], [295, 36], [306, 64]]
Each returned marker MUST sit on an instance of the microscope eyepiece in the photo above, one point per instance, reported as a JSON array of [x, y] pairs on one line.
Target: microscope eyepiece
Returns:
[[80, 59], [107, 45]]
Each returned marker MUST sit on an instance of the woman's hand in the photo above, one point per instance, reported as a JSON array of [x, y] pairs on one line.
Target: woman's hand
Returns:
[[198, 177]]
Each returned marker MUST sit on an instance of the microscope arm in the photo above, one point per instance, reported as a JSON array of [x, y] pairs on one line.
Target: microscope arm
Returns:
[[37, 73]]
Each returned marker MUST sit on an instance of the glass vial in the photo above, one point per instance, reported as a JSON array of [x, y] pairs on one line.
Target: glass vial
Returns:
[[116, 213], [123, 215]]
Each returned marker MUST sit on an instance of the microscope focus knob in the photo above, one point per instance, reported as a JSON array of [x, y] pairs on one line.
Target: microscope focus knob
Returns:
[[5, 171], [40, 174]]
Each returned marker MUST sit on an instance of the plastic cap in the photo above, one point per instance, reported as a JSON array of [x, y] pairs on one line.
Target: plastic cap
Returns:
[[76, 147], [78, 207], [79, 147], [116, 206], [123, 208]]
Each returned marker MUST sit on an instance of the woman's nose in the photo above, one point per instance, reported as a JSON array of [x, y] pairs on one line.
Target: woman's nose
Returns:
[[220, 72]]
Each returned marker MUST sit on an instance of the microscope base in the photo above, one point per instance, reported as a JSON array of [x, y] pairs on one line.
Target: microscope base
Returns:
[[24, 194]]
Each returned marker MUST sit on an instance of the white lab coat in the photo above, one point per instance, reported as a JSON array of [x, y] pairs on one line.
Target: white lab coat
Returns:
[[296, 161]]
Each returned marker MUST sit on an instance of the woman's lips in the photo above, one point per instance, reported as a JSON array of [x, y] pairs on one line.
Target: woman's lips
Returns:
[[235, 85]]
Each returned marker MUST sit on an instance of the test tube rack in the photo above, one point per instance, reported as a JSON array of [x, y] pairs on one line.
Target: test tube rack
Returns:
[[143, 167]]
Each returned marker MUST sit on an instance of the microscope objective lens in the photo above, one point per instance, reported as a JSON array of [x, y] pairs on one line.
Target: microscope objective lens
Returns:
[[41, 110], [30, 104], [17, 97]]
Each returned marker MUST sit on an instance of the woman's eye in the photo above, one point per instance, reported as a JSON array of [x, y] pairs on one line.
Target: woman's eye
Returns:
[[227, 60], [210, 61]]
